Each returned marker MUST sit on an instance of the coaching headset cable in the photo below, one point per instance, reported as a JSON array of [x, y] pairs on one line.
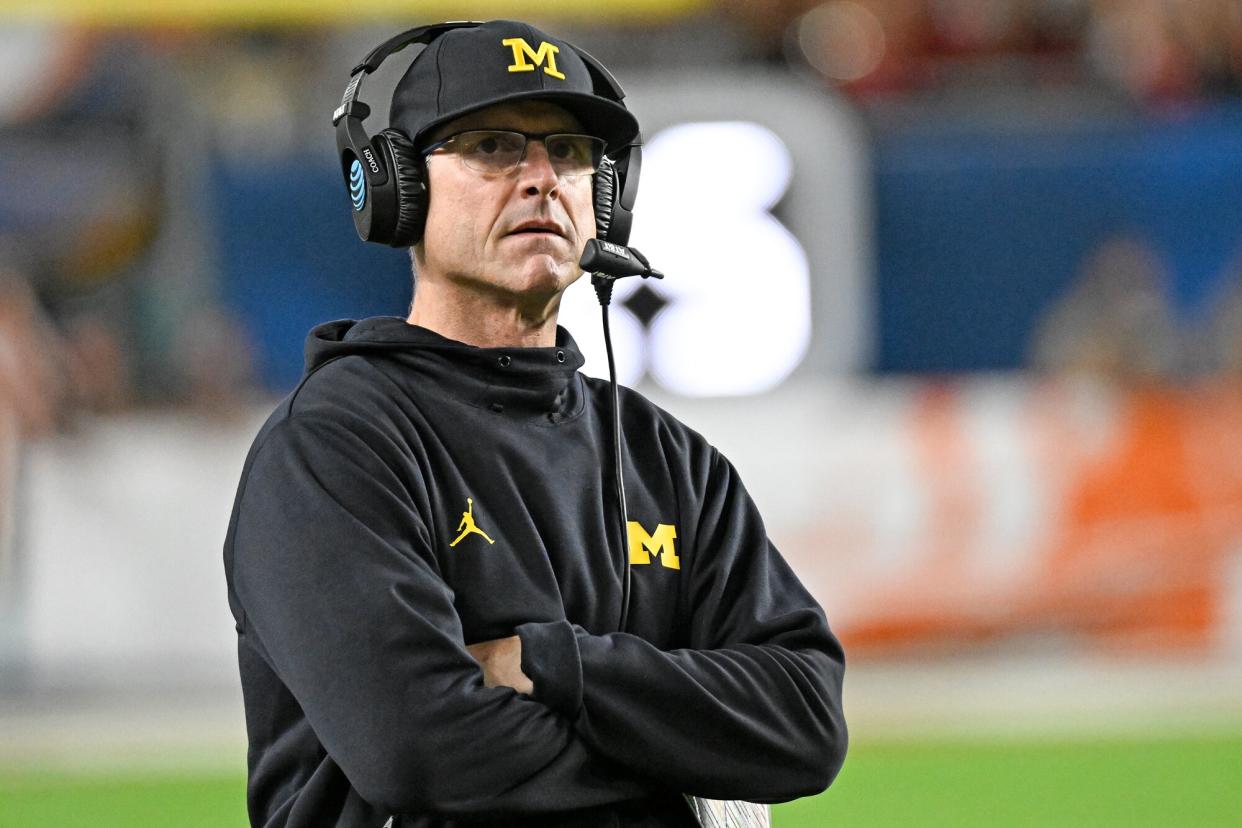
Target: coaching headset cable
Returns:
[[607, 262]]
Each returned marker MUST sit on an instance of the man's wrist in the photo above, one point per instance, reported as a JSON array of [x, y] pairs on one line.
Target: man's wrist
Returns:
[[551, 659]]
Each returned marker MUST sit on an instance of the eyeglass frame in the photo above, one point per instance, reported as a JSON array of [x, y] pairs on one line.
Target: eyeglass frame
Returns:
[[542, 137]]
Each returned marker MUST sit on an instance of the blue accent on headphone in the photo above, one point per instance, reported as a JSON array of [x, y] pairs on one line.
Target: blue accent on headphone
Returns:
[[357, 186]]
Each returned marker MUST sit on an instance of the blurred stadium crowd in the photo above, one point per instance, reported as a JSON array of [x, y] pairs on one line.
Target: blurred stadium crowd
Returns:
[[1155, 52]]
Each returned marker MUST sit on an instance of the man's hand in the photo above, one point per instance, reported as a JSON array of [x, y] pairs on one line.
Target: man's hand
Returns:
[[501, 660]]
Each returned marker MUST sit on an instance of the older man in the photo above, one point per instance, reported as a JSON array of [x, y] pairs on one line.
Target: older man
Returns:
[[421, 558]]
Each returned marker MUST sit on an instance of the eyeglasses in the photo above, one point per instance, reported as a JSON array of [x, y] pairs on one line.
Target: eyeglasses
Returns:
[[498, 151]]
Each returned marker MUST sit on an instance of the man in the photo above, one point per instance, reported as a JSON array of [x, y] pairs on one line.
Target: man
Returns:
[[422, 562]]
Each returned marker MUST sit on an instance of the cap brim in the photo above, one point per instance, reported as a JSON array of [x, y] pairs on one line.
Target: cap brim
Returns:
[[598, 116]]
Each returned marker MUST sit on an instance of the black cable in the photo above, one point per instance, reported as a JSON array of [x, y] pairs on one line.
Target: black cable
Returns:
[[603, 290]]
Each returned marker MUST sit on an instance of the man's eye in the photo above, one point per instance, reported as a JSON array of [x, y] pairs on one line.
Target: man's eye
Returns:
[[488, 146]]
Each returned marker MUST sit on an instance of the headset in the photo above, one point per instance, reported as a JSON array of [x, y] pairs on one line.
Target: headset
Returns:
[[386, 175]]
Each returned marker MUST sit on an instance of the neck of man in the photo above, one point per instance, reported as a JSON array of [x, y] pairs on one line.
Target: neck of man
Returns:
[[486, 320]]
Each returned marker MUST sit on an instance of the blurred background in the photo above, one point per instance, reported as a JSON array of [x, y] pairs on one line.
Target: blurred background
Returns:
[[957, 284]]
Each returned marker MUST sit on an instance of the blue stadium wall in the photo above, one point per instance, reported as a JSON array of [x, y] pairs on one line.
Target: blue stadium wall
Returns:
[[978, 231]]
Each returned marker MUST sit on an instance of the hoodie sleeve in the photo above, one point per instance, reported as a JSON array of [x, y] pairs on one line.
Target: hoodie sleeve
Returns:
[[751, 710], [332, 573]]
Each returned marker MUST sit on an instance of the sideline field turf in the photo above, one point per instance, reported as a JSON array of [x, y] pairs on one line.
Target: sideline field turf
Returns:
[[1118, 782]]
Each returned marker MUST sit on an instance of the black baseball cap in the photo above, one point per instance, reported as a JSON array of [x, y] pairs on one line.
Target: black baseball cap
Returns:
[[467, 69]]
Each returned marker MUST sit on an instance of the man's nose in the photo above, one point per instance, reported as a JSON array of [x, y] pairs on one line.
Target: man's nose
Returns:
[[537, 173]]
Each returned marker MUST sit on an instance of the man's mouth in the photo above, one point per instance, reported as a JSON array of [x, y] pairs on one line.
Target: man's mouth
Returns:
[[536, 229]]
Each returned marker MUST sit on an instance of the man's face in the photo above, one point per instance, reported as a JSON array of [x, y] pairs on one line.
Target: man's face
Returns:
[[521, 232]]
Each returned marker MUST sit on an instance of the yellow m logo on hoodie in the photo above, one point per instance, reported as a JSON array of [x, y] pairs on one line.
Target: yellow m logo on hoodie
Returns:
[[660, 542]]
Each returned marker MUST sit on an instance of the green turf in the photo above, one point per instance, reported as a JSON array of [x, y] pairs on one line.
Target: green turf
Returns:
[[1167, 782], [184, 800]]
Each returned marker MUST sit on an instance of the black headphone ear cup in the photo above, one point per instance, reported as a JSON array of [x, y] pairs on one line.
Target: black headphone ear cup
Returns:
[[605, 194], [409, 188]]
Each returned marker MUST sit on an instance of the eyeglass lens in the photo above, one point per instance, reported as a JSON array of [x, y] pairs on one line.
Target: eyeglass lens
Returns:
[[499, 151]]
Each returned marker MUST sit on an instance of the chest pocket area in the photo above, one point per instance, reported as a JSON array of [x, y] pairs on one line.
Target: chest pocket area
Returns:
[[498, 571]]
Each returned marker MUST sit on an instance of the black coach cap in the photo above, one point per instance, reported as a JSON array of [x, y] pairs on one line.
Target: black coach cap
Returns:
[[467, 69]]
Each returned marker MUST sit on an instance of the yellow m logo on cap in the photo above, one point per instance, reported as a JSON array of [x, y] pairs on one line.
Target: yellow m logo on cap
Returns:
[[522, 51], [660, 542]]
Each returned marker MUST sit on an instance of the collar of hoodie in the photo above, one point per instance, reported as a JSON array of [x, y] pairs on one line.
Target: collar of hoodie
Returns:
[[539, 384]]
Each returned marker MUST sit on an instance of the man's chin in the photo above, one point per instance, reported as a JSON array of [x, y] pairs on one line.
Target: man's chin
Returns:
[[546, 273]]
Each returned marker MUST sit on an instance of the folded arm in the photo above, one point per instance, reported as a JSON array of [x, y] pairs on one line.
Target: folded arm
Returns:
[[332, 571], [751, 710]]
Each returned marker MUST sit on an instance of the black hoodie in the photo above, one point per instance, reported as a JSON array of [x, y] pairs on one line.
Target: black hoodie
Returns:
[[414, 495]]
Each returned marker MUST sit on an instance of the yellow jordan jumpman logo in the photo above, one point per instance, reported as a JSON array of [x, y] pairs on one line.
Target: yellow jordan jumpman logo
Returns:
[[467, 520]]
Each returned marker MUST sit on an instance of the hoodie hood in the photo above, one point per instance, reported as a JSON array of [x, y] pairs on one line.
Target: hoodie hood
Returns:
[[519, 382]]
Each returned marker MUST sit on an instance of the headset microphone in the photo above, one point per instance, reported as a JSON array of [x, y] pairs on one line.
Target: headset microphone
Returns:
[[611, 260]]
